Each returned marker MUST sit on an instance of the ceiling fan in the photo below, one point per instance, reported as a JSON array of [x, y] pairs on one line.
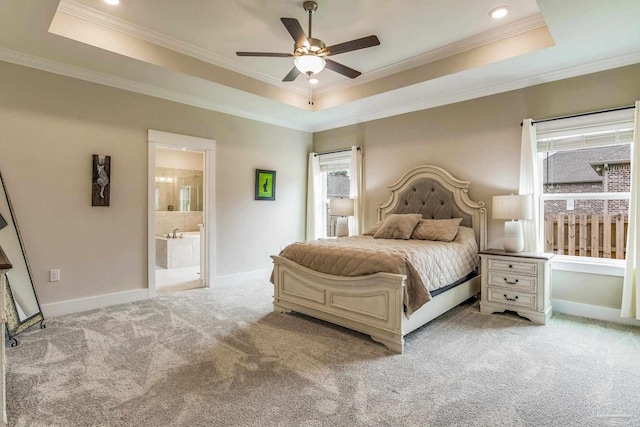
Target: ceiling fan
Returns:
[[310, 53]]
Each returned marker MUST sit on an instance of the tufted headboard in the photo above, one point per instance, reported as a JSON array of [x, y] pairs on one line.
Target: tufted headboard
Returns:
[[436, 194]]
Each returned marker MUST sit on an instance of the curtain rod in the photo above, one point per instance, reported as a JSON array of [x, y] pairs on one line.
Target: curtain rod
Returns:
[[533, 122], [336, 151]]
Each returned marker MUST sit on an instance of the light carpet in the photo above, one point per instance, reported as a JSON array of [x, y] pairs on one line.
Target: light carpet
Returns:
[[222, 358]]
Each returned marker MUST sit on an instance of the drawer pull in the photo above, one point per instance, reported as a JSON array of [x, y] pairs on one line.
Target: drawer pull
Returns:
[[510, 283], [510, 299]]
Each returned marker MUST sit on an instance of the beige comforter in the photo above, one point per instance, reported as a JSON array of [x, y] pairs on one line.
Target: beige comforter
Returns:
[[428, 265]]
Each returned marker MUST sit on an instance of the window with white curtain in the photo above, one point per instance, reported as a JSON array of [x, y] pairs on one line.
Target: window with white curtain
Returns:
[[335, 171], [185, 198], [584, 166]]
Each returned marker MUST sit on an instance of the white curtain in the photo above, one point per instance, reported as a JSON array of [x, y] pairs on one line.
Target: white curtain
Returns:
[[314, 198], [355, 192], [530, 185], [630, 295]]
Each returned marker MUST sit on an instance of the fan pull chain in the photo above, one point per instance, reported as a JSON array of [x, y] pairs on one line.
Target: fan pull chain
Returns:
[[310, 94]]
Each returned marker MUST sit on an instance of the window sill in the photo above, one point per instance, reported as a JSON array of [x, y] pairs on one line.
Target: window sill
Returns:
[[603, 266]]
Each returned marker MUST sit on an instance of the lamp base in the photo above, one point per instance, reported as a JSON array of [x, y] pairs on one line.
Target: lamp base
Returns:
[[342, 226], [513, 240]]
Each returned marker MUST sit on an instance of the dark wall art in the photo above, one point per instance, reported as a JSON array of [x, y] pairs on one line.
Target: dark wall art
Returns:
[[101, 187], [265, 184]]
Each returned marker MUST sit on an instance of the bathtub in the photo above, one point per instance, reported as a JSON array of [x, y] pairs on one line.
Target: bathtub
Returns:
[[180, 252]]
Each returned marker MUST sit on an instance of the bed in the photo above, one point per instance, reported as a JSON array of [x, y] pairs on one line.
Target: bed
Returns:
[[376, 304]]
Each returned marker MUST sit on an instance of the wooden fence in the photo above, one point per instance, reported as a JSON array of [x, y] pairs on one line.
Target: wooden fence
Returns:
[[600, 236]]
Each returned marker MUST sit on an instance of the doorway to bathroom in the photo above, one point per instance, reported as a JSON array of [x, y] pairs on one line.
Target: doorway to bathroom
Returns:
[[179, 207], [180, 212]]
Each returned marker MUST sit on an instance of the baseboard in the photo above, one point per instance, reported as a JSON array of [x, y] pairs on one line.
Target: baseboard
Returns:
[[592, 312], [238, 279], [90, 303]]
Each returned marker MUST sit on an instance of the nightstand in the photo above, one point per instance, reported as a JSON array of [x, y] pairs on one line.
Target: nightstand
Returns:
[[516, 281]]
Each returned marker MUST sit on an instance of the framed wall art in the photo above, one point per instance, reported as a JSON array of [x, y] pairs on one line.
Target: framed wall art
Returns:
[[265, 184], [101, 187]]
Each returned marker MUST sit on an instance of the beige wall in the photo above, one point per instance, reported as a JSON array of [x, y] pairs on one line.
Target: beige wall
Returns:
[[177, 159], [479, 141], [51, 125]]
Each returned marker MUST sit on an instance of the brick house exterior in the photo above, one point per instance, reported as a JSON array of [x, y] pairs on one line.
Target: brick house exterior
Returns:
[[594, 170]]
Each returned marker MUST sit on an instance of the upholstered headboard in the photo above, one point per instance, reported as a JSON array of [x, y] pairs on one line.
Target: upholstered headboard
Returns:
[[436, 194]]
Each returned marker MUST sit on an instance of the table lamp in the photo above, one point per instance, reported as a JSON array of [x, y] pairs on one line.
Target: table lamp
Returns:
[[342, 208], [515, 208]]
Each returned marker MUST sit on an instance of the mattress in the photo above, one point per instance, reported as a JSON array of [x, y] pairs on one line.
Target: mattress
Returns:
[[427, 265]]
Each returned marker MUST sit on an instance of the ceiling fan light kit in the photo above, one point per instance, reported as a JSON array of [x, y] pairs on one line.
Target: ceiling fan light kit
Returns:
[[309, 52], [309, 64]]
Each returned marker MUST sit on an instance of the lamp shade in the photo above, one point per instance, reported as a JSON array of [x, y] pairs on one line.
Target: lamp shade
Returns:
[[341, 207], [512, 207], [309, 64]]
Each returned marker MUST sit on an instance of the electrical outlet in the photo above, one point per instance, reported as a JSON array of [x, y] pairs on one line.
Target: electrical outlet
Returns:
[[54, 275]]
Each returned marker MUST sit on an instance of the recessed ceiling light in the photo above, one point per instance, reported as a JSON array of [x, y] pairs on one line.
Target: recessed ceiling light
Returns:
[[112, 2], [499, 12]]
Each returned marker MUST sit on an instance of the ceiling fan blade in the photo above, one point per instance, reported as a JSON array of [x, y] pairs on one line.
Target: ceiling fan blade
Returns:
[[342, 69], [270, 54], [295, 29], [292, 75], [361, 43]]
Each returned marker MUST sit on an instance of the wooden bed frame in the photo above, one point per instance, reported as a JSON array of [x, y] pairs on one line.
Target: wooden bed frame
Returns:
[[373, 304]]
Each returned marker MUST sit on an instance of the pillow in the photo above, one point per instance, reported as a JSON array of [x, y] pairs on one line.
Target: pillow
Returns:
[[371, 231], [398, 226], [443, 230]]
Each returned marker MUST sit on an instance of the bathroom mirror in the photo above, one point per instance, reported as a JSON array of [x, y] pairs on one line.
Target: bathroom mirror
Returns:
[[179, 189], [22, 309]]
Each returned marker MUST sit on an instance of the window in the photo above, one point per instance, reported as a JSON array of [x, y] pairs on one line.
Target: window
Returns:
[[185, 198], [585, 169], [335, 171], [332, 176]]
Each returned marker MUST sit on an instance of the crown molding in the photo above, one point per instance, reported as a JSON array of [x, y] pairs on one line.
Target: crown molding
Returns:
[[98, 17], [497, 34], [465, 95], [56, 67], [94, 16]]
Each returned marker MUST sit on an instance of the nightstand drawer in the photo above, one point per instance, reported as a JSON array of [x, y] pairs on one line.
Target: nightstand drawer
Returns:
[[517, 282], [519, 267], [516, 299]]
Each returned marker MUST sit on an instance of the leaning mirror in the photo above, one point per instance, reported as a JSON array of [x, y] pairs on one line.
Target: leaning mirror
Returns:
[[21, 303]]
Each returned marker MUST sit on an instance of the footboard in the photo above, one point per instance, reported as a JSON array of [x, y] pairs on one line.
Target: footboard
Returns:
[[370, 304]]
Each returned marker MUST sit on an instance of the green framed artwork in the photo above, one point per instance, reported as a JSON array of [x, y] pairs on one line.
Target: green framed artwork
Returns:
[[265, 184]]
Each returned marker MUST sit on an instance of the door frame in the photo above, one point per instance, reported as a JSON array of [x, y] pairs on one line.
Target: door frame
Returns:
[[158, 139]]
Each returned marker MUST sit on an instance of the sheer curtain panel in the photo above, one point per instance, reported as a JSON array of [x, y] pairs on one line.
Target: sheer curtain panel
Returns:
[[630, 297], [530, 185], [356, 190], [314, 198]]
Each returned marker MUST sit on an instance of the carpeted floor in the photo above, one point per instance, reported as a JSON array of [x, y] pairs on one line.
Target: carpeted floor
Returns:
[[223, 358]]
